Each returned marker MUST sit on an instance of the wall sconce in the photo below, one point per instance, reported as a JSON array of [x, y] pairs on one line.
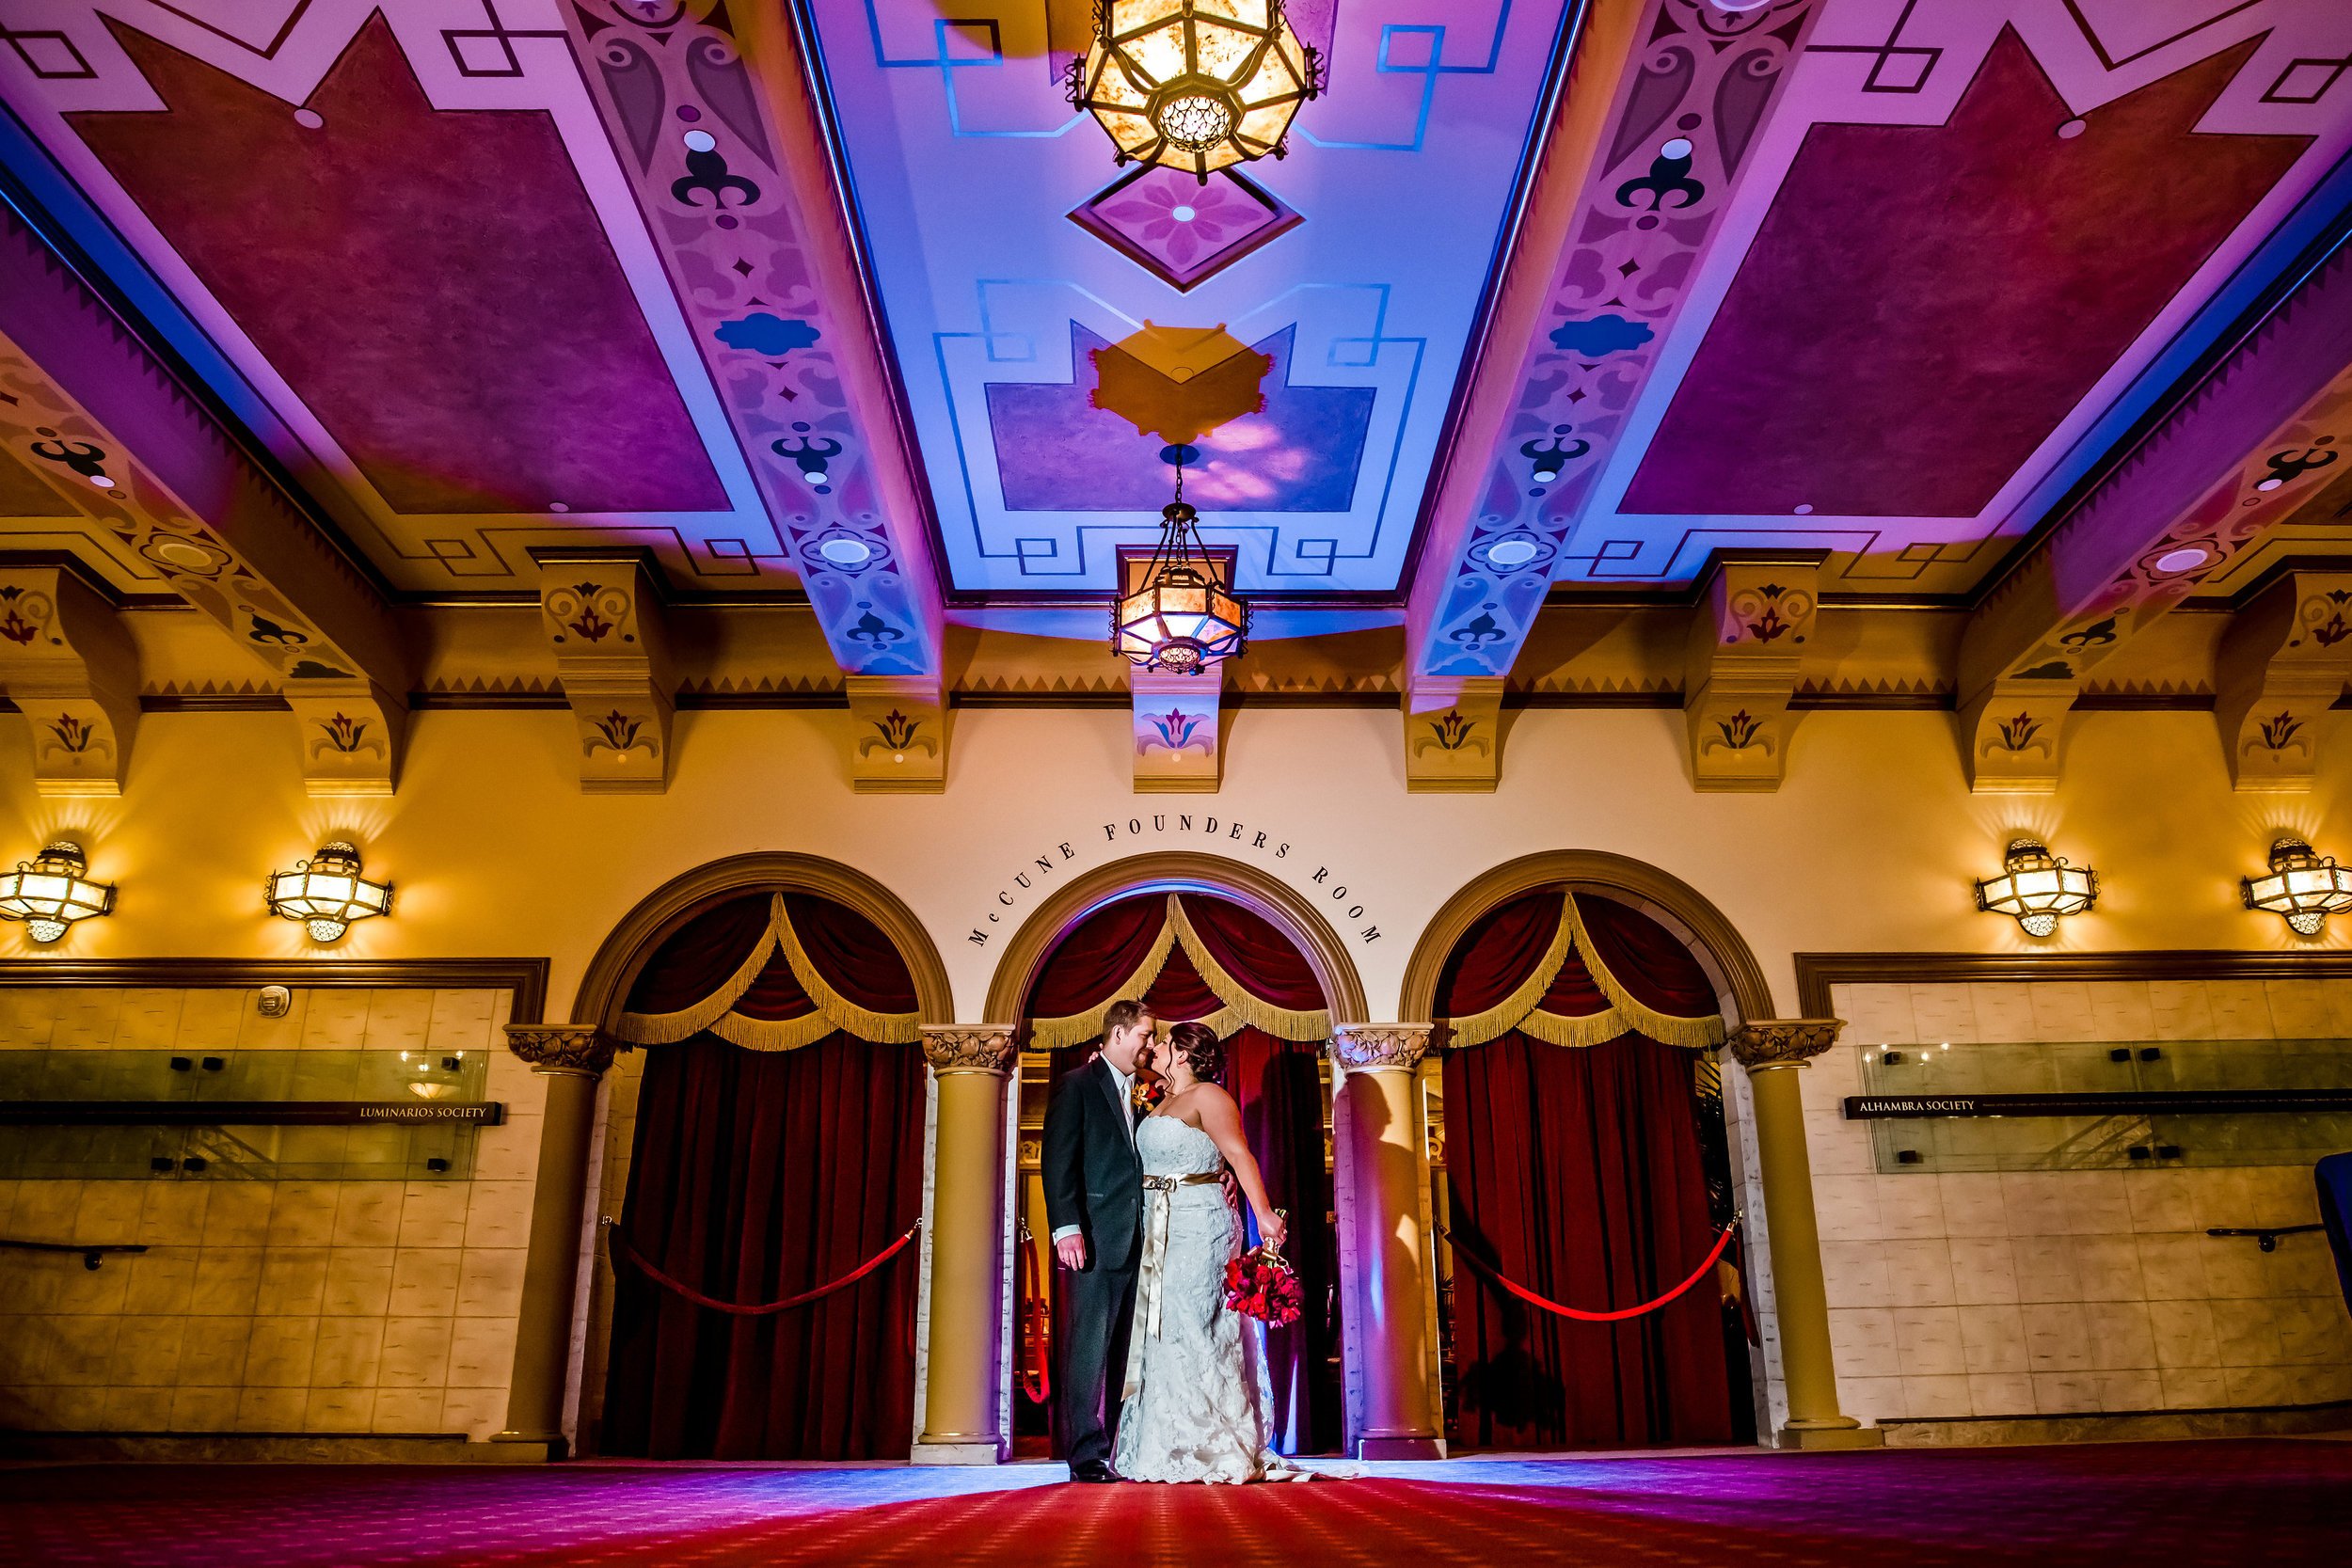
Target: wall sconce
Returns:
[[2303, 886], [326, 892], [2036, 888], [51, 894]]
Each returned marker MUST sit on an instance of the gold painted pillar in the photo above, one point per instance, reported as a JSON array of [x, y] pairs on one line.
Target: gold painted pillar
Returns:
[[966, 1322], [1389, 1292], [571, 1057], [1772, 1050]]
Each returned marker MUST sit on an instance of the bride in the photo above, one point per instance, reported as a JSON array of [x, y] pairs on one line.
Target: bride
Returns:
[[1196, 1406]]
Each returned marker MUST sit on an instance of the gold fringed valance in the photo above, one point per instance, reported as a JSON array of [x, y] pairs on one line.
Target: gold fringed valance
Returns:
[[715, 1012], [1624, 1014], [1242, 1008]]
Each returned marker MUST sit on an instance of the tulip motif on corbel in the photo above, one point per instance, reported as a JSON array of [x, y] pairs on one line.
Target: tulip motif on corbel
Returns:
[[73, 674], [350, 743], [1175, 724], [1453, 731], [602, 618], [1746, 650], [2282, 665], [1454, 735], [897, 735]]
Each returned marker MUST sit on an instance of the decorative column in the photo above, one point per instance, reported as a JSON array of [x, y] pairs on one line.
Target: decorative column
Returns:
[[1381, 1152], [961, 1375], [1772, 1050], [571, 1057]]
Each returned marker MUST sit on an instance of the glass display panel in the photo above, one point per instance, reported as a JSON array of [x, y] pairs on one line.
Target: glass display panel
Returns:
[[390, 1151], [2127, 1139]]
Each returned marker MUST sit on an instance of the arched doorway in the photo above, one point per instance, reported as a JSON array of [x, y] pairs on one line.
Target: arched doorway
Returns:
[[1196, 940], [1579, 1153], [765, 1138]]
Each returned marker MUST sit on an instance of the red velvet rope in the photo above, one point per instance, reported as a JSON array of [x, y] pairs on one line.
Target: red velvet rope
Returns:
[[615, 1234], [1037, 1328], [1530, 1297]]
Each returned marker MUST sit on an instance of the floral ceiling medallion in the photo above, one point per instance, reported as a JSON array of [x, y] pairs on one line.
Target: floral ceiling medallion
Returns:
[[1182, 232]]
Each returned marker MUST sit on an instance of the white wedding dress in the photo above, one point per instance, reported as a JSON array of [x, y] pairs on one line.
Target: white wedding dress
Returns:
[[1198, 1404]]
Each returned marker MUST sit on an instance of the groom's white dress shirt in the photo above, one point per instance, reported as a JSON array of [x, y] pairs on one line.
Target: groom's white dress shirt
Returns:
[[1126, 1082]]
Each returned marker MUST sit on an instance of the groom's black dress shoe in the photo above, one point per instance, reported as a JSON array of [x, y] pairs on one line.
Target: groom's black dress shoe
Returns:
[[1093, 1470]]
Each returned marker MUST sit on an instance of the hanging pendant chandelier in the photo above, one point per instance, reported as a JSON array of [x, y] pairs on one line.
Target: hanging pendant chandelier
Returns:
[[1183, 616], [1194, 84]]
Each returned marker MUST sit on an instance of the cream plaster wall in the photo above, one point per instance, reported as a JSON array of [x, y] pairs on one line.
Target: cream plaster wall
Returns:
[[1869, 846], [270, 1306]]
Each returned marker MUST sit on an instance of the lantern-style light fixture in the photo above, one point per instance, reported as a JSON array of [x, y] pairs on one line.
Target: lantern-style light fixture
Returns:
[[51, 894], [326, 892], [1183, 616], [1194, 84], [2303, 886], [2037, 888]]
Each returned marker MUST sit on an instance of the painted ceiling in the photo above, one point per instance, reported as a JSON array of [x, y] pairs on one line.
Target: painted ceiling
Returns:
[[1887, 280], [1058, 321], [1964, 249]]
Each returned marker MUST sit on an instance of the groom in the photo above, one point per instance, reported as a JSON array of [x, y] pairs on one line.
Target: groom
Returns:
[[1094, 1201]]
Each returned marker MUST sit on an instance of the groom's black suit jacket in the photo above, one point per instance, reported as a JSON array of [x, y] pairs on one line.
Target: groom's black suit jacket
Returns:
[[1093, 1176]]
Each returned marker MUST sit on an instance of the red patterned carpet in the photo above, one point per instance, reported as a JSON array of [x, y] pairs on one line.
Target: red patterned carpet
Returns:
[[2251, 1502]]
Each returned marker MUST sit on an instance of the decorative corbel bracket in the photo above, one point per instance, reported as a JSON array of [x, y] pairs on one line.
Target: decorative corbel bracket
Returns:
[[897, 735], [2282, 664], [1454, 734], [2011, 731], [603, 618], [69, 668], [212, 526], [2260, 437], [1178, 732], [1748, 638]]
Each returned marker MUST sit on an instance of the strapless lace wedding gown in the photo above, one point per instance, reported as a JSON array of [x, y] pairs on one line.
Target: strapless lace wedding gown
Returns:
[[1198, 1402]]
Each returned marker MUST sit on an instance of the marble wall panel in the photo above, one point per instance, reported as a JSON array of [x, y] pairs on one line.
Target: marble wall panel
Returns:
[[2071, 1291]]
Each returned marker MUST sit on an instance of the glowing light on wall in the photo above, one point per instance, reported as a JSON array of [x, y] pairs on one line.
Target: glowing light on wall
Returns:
[[2303, 887], [2037, 889], [326, 892], [51, 893]]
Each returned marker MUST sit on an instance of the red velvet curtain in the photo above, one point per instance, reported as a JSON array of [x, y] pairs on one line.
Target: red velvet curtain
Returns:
[[757, 1175], [1579, 1174], [1279, 1085]]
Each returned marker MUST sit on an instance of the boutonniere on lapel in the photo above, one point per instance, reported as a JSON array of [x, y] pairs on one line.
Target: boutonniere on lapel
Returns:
[[1148, 1090]]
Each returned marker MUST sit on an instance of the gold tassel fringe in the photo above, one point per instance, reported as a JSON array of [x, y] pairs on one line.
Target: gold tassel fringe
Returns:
[[715, 1012], [1281, 1022], [1623, 1015]]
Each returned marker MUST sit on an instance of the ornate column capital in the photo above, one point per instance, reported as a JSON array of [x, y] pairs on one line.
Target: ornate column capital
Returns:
[[969, 1048], [1772, 1042], [1379, 1046], [580, 1049]]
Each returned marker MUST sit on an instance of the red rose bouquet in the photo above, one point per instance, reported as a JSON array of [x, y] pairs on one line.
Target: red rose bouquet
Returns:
[[1261, 1284]]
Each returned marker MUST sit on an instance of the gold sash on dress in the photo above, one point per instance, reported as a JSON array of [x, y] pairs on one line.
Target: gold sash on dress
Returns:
[[1158, 1193]]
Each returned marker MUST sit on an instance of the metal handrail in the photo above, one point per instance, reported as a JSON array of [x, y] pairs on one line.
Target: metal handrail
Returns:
[[92, 1252], [2266, 1236]]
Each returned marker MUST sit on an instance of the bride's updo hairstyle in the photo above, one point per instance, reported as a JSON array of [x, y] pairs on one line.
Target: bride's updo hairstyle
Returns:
[[1200, 1049]]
